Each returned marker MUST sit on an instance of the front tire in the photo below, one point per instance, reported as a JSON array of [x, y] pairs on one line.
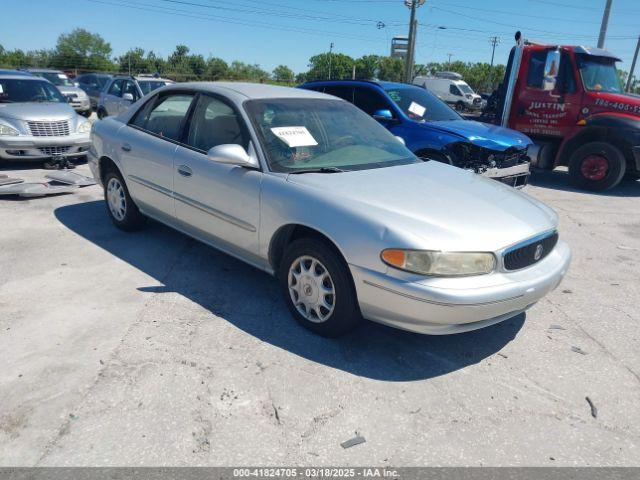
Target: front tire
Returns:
[[318, 288], [460, 107], [596, 166], [122, 210]]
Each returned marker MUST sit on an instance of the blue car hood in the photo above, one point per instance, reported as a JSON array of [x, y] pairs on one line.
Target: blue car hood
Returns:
[[483, 134]]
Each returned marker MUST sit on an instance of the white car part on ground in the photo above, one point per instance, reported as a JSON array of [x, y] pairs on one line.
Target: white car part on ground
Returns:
[[70, 178], [36, 189]]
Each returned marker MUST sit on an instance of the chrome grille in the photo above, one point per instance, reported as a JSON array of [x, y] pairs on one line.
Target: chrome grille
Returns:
[[55, 150], [59, 128]]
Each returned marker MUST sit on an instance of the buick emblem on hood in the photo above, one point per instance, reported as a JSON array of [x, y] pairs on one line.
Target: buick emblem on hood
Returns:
[[538, 252]]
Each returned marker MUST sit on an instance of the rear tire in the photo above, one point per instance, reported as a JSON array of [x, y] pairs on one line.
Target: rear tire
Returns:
[[596, 166], [102, 113], [318, 288], [123, 212]]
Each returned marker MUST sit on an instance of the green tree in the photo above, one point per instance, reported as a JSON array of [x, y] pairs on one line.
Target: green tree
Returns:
[[391, 69], [245, 71], [283, 74], [178, 61], [217, 69], [83, 50], [133, 60], [367, 66], [341, 66]]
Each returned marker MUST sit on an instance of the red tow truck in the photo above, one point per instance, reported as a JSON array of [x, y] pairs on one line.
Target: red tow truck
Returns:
[[570, 101]]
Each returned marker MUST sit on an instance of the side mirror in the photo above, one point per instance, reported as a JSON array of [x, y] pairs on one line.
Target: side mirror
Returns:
[[384, 115], [128, 97], [232, 154], [551, 69], [401, 140]]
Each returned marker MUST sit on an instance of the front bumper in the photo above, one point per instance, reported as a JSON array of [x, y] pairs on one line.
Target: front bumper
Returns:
[[80, 104], [516, 176], [26, 147], [440, 306]]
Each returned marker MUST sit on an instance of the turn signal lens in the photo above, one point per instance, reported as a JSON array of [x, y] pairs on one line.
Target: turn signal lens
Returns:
[[443, 264], [7, 130]]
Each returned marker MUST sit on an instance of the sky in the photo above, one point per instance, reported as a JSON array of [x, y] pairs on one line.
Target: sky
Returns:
[[289, 32]]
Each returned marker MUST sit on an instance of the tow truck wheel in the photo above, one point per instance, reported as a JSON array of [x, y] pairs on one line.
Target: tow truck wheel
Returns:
[[460, 107], [596, 166], [102, 113]]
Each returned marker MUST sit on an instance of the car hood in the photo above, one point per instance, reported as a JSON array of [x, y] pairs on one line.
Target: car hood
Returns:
[[484, 135], [66, 90], [435, 206], [37, 111]]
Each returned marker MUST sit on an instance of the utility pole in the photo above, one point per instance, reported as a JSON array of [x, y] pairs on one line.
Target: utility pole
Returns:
[[605, 23], [633, 66], [129, 64], [449, 55], [413, 5], [494, 41], [330, 52]]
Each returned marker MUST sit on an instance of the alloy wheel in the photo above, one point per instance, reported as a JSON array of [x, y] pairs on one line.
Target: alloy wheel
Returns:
[[311, 289], [116, 199]]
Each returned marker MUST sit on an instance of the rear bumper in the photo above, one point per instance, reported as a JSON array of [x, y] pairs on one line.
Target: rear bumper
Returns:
[[516, 176], [42, 148], [445, 306]]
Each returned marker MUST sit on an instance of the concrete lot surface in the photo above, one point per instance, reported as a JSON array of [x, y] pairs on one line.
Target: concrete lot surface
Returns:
[[152, 349]]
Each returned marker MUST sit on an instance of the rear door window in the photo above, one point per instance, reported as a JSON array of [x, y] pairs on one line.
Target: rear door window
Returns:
[[116, 88], [165, 116]]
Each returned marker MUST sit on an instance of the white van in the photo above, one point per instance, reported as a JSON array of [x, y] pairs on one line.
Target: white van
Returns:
[[454, 91]]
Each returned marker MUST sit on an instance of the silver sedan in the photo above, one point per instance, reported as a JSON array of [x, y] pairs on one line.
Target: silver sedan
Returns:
[[309, 188]]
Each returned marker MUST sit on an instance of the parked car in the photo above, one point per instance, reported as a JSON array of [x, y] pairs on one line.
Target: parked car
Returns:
[[93, 84], [310, 189], [76, 97], [121, 91], [455, 91], [433, 131], [37, 123], [4, 71]]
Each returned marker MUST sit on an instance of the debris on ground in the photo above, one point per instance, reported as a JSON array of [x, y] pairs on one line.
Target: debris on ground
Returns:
[[556, 327], [35, 189], [70, 178], [4, 180], [566, 290], [357, 440], [594, 410], [502, 355], [578, 350], [624, 247]]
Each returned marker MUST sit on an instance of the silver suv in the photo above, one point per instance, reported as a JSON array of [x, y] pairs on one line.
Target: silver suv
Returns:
[[76, 97], [37, 123], [122, 91]]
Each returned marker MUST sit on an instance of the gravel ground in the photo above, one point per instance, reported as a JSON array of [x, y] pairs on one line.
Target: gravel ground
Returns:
[[152, 349]]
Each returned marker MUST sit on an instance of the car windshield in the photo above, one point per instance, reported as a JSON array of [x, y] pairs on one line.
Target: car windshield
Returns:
[[599, 74], [102, 80], [465, 88], [58, 79], [25, 91], [302, 134], [421, 105], [148, 86]]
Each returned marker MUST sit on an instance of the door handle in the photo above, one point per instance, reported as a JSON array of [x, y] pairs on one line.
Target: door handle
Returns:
[[185, 171], [126, 147]]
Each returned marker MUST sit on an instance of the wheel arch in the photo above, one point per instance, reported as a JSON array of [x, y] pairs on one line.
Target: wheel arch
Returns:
[[286, 234], [611, 129], [106, 164]]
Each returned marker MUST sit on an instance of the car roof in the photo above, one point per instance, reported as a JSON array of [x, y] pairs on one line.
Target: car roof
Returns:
[[9, 71], [250, 90], [43, 70], [20, 76], [379, 83]]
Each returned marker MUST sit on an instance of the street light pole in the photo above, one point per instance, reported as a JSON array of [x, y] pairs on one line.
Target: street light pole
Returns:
[[604, 24], [330, 54]]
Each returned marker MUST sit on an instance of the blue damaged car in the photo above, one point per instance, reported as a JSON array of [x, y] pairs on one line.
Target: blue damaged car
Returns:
[[434, 131]]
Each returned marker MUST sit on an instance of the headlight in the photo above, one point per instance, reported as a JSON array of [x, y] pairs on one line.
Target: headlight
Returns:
[[85, 127], [443, 264], [7, 130]]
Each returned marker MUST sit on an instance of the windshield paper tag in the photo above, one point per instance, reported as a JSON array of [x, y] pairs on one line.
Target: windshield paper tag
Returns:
[[417, 109], [1, 90], [62, 75], [295, 136]]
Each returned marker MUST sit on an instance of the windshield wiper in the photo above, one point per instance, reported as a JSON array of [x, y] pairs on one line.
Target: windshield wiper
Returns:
[[318, 170]]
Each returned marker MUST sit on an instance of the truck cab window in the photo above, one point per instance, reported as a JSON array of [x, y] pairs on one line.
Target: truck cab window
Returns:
[[536, 68]]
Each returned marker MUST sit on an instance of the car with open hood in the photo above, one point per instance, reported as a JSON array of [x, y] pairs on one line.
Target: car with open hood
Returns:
[[309, 188], [434, 131], [37, 123]]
